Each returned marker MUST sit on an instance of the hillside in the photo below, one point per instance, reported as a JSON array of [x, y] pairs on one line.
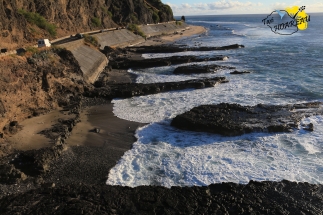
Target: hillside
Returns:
[[24, 21]]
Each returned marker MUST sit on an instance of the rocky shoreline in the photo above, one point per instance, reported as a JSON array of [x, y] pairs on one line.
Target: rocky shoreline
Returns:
[[234, 119], [66, 179], [226, 198]]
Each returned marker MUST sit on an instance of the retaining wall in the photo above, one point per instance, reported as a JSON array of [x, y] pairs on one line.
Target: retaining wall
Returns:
[[163, 28], [118, 38], [91, 61]]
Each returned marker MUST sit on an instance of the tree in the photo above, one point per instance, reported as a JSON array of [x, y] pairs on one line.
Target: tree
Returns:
[[183, 18]]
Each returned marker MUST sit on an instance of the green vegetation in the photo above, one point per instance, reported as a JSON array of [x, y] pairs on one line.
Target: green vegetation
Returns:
[[155, 17], [178, 23], [91, 40], [134, 28], [32, 49], [167, 9], [107, 12], [96, 21], [40, 21], [134, 18]]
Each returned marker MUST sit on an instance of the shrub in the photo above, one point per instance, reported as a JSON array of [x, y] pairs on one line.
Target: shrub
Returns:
[[91, 40], [106, 11], [178, 23], [96, 21], [134, 28], [40, 21], [32, 49], [134, 18], [155, 17]]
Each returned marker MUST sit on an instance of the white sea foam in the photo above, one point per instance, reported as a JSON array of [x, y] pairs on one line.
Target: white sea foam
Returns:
[[242, 90], [168, 157], [165, 74]]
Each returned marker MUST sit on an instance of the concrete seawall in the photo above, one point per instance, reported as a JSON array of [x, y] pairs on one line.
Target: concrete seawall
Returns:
[[118, 38], [164, 28], [91, 61]]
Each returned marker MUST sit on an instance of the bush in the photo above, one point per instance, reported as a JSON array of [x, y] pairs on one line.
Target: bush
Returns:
[[178, 23], [40, 21], [134, 18], [155, 17], [134, 28], [96, 21], [32, 49], [106, 11], [91, 40]]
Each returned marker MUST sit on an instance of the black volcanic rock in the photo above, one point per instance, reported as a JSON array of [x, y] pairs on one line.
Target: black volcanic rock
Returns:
[[239, 72], [138, 89], [172, 49], [226, 198], [195, 69], [126, 63], [234, 119]]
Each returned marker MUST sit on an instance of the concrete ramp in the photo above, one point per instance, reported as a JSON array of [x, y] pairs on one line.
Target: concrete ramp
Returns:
[[91, 61], [120, 38], [163, 28]]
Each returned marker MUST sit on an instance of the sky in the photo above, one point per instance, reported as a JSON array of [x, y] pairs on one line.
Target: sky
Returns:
[[222, 7]]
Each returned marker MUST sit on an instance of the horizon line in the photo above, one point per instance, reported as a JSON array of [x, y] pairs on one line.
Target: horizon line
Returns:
[[232, 14]]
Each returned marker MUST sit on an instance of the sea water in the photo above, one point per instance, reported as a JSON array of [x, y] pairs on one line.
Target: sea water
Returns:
[[284, 69]]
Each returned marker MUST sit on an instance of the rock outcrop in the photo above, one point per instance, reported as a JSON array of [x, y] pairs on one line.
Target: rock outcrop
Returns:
[[138, 89], [227, 198], [171, 49], [234, 119], [126, 63]]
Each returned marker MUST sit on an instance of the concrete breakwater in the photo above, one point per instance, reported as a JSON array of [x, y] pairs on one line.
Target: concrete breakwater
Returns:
[[92, 61]]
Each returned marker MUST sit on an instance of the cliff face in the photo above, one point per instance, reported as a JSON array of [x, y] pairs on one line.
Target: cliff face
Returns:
[[73, 16], [35, 85]]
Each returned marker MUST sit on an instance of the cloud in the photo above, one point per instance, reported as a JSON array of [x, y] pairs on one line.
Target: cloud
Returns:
[[218, 7], [186, 6], [228, 4], [279, 5]]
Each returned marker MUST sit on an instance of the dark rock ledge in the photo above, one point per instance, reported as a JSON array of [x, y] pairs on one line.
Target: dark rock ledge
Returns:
[[137, 89], [234, 119], [227, 198], [239, 72], [126, 63], [172, 49]]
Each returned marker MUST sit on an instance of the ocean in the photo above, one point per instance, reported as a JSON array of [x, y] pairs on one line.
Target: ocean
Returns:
[[284, 69]]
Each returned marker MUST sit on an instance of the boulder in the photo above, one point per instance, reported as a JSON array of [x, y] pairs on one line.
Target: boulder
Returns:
[[234, 119]]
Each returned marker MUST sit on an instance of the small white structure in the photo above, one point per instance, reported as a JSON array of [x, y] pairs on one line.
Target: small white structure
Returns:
[[43, 43]]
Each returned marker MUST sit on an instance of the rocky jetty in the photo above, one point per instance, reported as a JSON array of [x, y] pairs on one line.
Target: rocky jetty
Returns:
[[227, 198], [234, 119], [126, 63], [196, 69], [172, 49], [138, 89], [239, 72]]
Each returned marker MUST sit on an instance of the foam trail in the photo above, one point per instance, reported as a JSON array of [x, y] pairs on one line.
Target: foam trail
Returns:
[[157, 107]]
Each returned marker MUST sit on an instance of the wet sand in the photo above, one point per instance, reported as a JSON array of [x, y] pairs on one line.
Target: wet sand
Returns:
[[29, 137], [114, 132]]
